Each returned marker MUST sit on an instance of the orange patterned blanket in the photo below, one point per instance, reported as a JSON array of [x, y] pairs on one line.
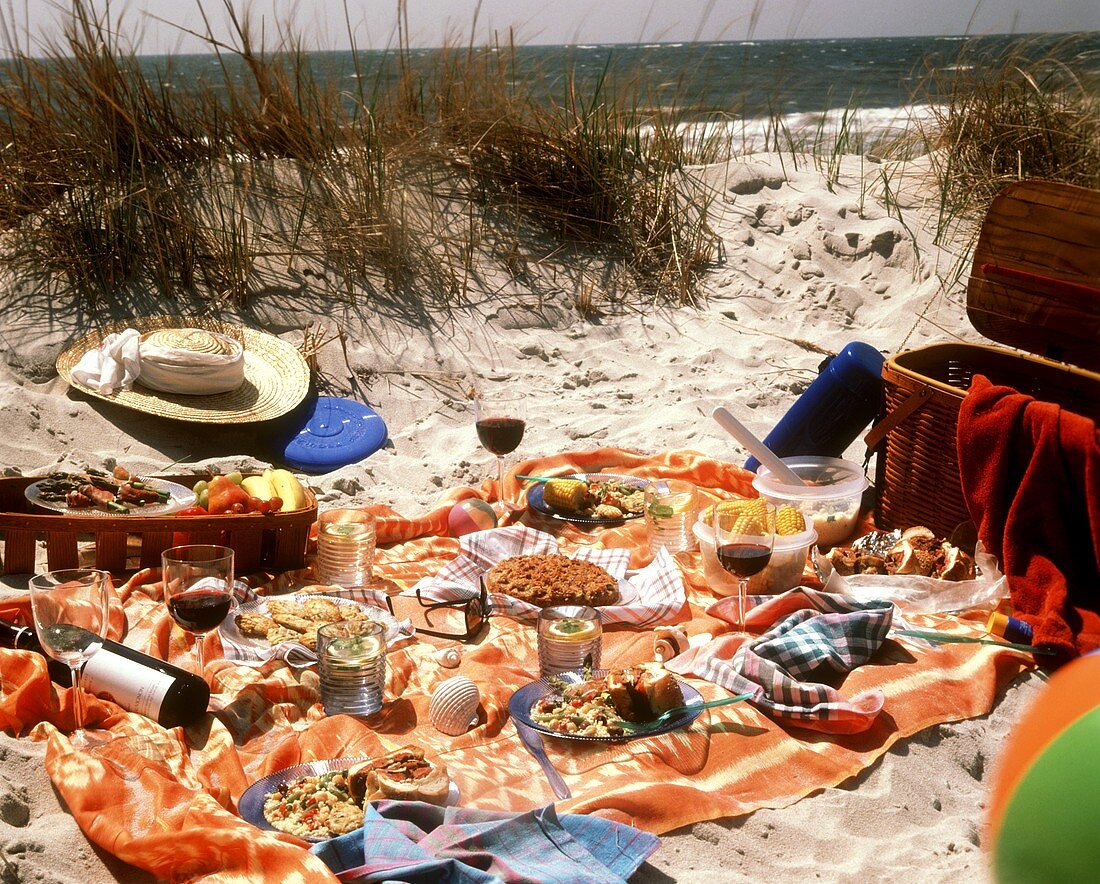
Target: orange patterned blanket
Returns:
[[165, 800]]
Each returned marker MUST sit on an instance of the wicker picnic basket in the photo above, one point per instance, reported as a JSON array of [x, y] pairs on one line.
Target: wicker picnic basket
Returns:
[[1035, 284], [275, 541]]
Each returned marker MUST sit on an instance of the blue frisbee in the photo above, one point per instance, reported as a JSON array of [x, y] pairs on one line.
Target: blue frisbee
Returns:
[[337, 432]]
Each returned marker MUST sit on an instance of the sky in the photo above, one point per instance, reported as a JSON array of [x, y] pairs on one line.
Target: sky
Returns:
[[163, 23]]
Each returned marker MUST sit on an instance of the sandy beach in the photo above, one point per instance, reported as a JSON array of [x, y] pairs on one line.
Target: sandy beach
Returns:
[[807, 270]]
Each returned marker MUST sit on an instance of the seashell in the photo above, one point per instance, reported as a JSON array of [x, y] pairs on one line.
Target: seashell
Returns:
[[453, 709], [449, 658]]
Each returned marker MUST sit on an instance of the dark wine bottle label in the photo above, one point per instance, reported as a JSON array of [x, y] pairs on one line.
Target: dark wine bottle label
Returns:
[[128, 683]]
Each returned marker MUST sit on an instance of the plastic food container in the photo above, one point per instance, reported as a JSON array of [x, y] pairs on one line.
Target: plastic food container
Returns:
[[784, 569], [832, 499]]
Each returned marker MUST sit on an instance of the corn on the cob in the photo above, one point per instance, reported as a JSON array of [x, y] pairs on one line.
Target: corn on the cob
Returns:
[[732, 510], [751, 522], [565, 494], [789, 520]]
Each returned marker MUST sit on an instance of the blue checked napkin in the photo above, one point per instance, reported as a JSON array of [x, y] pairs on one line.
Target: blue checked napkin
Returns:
[[812, 639], [424, 844]]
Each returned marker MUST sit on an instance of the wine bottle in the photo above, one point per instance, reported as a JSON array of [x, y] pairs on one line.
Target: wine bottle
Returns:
[[135, 681]]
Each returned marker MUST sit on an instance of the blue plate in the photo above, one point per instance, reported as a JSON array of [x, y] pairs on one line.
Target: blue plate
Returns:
[[337, 432], [251, 805], [535, 501], [524, 700]]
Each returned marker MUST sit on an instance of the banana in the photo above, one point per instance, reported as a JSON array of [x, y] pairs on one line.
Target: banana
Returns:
[[259, 486], [289, 489]]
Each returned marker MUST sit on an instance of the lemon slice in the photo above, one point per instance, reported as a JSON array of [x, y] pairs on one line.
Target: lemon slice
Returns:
[[570, 629]]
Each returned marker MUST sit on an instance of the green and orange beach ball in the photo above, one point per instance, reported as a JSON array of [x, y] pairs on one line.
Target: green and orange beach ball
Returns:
[[1043, 822]]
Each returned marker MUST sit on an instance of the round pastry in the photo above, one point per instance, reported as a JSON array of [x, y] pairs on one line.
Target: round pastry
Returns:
[[550, 580]]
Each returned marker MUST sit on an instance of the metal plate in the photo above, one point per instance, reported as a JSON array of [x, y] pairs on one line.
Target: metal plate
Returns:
[[523, 700], [180, 497]]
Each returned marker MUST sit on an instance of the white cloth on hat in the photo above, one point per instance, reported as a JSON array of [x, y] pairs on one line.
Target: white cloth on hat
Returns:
[[124, 358], [113, 365], [191, 372]]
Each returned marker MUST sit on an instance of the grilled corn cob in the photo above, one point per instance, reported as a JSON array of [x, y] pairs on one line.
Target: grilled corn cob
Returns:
[[565, 494], [789, 520]]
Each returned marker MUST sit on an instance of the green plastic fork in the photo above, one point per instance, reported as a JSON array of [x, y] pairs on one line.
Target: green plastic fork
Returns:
[[639, 727]]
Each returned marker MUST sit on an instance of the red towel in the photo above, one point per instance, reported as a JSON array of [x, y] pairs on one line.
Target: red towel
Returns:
[[1031, 478]]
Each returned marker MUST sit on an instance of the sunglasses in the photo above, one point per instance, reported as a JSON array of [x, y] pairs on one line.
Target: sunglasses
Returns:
[[460, 619]]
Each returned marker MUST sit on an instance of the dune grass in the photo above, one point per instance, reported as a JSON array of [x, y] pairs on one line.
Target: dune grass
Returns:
[[108, 177], [1003, 117]]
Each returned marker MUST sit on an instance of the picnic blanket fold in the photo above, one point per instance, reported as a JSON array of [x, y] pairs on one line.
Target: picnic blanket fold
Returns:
[[814, 638], [418, 842], [1031, 478]]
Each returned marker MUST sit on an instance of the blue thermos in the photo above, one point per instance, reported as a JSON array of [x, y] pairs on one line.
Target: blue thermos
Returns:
[[834, 409]]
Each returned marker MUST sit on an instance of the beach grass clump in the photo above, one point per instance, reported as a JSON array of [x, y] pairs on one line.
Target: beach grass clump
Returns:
[[597, 169], [1003, 117], [112, 173]]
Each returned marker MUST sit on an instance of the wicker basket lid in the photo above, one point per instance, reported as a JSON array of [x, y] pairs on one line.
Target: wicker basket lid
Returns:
[[276, 377], [1035, 283]]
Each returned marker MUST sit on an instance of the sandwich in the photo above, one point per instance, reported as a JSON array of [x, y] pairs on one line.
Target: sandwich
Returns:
[[403, 775], [641, 694]]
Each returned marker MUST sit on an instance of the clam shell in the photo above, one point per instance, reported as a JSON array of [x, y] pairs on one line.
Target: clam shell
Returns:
[[453, 709]]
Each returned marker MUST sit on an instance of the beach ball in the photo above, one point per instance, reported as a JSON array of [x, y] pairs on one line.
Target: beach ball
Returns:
[[471, 515], [1043, 820]]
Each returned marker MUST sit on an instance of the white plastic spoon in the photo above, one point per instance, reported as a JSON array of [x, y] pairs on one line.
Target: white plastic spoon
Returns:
[[757, 448]]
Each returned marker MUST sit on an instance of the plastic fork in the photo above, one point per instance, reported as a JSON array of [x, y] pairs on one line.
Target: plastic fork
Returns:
[[640, 727]]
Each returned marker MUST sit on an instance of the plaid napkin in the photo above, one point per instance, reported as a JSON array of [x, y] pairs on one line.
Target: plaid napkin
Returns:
[[416, 842], [654, 594], [814, 638]]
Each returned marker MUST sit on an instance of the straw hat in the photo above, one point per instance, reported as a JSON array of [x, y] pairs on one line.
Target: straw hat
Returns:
[[276, 377]]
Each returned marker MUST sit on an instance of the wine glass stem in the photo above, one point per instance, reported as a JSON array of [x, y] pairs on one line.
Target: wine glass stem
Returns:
[[78, 705], [201, 656], [742, 589], [500, 479]]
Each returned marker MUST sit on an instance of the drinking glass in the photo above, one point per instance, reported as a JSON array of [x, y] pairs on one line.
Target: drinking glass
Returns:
[[351, 665], [670, 507], [198, 587], [743, 540], [569, 638], [345, 547], [70, 617], [501, 418]]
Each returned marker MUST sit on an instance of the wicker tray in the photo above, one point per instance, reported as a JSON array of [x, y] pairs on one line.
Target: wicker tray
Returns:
[[1035, 284], [275, 541]]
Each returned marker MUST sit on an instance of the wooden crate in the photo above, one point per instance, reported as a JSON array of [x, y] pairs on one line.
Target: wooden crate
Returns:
[[275, 541]]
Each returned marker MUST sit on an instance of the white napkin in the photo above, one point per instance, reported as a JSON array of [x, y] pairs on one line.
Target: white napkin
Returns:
[[192, 373], [114, 365]]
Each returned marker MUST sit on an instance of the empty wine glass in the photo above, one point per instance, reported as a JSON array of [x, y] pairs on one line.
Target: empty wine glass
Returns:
[[743, 541], [501, 418], [70, 616], [198, 587]]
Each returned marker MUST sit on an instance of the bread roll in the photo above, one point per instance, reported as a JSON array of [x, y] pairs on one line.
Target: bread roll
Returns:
[[404, 775], [642, 695]]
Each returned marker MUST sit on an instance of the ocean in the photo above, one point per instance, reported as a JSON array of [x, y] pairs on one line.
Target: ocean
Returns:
[[743, 83]]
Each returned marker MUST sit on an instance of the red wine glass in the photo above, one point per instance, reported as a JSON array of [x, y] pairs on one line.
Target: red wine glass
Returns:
[[500, 420], [743, 541], [198, 588], [70, 611]]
